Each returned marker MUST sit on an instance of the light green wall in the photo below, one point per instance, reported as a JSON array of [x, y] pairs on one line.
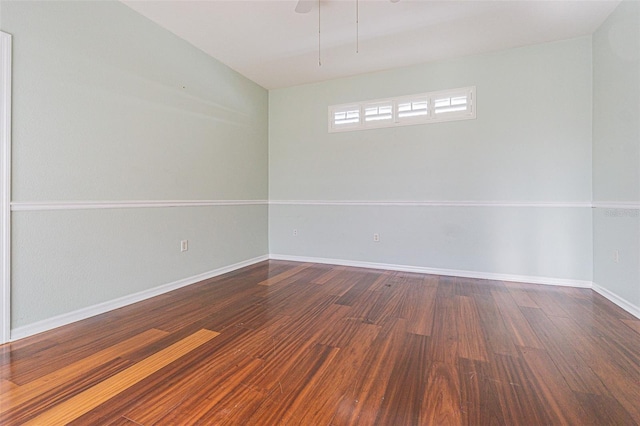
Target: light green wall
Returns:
[[616, 151], [531, 142], [67, 260], [108, 106], [531, 242]]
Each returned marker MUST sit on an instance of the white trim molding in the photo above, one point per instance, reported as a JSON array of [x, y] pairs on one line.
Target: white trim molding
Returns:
[[19, 206], [439, 271], [132, 204], [5, 187], [80, 314], [629, 307], [630, 205], [431, 203]]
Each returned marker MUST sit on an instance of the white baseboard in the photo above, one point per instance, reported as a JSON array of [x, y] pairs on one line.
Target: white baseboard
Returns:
[[437, 271], [80, 314], [629, 307]]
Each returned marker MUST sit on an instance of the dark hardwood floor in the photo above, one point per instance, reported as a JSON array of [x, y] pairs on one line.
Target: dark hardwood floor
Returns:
[[291, 343]]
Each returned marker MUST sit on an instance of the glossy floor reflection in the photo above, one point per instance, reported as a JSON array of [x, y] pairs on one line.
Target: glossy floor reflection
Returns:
[[299, 343]]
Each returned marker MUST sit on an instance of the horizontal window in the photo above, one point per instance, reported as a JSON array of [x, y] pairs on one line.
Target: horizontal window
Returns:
[[413, 108], [377, 113], [346, 117], [423, 108]]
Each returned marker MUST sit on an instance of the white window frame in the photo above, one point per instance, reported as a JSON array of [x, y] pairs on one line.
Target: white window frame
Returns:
[[469, 92], [377, 123], [431, 117], [344, 108]]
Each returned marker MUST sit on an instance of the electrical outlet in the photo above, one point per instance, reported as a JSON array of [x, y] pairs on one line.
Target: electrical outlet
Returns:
[[184, 245], [295, 232], [616, 256], [376, 237]]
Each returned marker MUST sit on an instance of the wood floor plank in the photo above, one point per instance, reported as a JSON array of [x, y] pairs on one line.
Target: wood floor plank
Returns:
[[616, 375], [443, 344], [561, 404], [410, 282], [78, 369], [608, 309], [385, 279], [192, 314], [522, 298], [362, 310], [204, 398], [234, 408], [87, 400], [619, 343], [441, 399], [122, 421], [519, 402], [497, 337], [335, 381], [287, 274], [479, 403], [42, 401], [251, 314], [550, 304], [289, 345], [347, 332], [471, 338], [575, 370], [338, 286], [421, 300], [363, 400], [25, 368], [633, 324], [285, 401], [330, 275], [473, 288], [604, 410], [362, 284], [516, 324], [23, 350], [407, 386], [305, 298], [158, 394], [6, 386], [387, 306]]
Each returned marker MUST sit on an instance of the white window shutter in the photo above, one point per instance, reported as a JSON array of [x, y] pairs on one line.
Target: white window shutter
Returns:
[[432, 107]]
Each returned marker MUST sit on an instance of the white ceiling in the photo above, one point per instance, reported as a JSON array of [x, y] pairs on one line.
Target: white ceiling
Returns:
[[266, 41]]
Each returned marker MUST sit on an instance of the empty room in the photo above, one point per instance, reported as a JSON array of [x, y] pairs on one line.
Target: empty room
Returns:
[[319, 212]]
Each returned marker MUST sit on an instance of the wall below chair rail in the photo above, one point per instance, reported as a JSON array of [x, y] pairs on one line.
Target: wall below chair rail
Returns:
[[67, 260], [537, 244]]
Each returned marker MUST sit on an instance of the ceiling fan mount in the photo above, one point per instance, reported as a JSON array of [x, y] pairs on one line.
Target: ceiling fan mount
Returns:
[[305, 6]]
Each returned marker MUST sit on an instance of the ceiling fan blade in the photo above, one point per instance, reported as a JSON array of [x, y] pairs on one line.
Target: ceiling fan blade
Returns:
[[395, 1], [304, 6]]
